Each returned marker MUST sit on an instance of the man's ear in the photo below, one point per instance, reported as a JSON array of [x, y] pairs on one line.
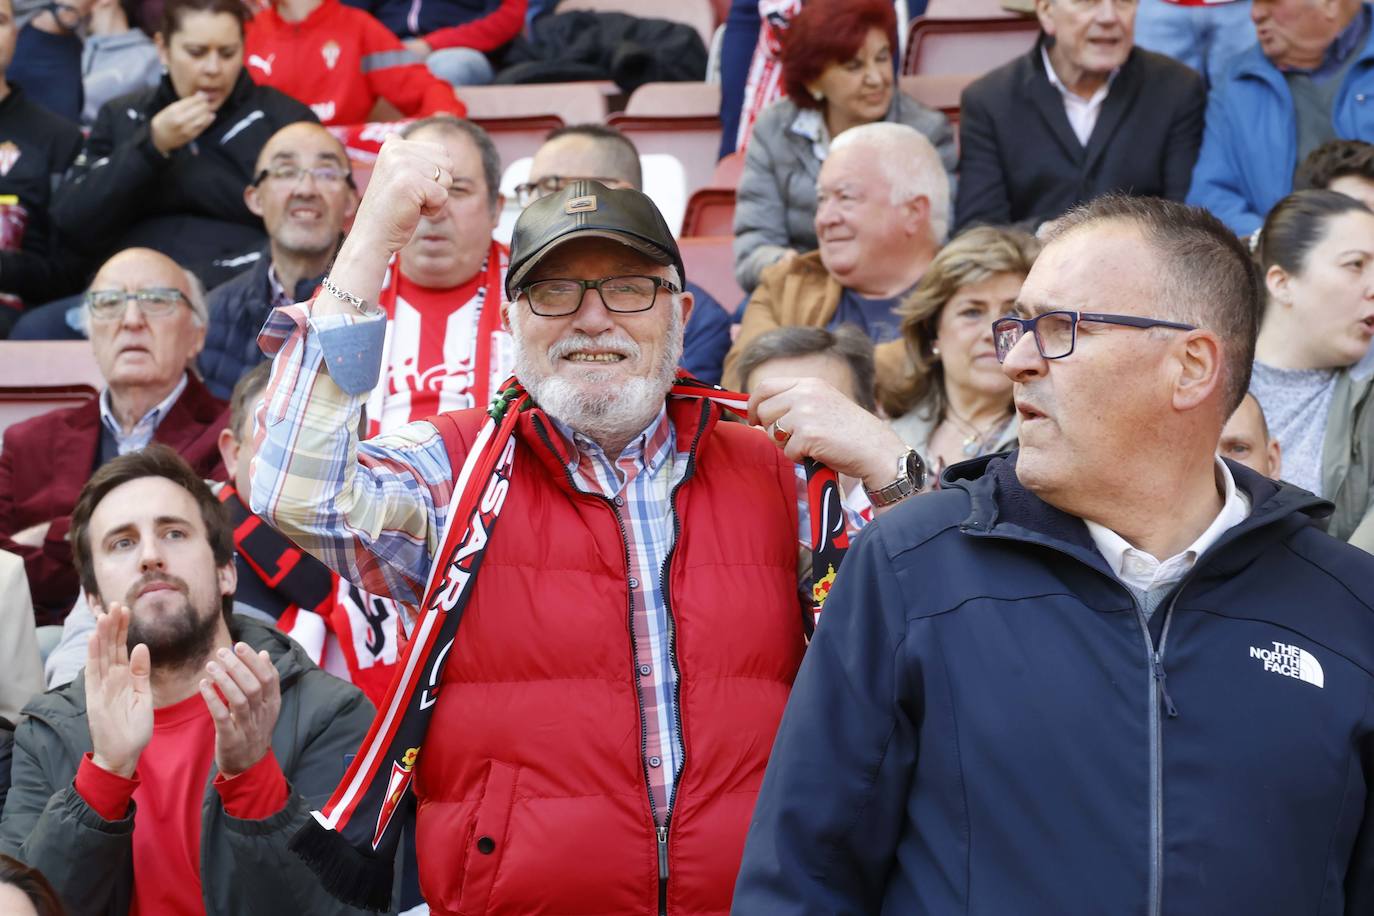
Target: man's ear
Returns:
[[687, 303], [917, 213], [505, 314], [1200, 370], [254, 203], [229, 452], [228, 576], [161, 45]]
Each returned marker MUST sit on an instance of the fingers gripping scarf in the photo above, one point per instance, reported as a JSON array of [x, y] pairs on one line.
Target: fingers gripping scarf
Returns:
[[351, 842]]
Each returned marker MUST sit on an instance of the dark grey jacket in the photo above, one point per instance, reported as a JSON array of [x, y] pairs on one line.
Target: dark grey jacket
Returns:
[[775, 205], [245, 867]]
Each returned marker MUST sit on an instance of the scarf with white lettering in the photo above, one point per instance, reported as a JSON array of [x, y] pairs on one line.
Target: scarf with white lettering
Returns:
[[351, 842]]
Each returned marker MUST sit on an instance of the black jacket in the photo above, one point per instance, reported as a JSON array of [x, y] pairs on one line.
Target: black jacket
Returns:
[[584, 45], [189, 205], [1020, 161], [238, 309], [986, 723], [36, 146]]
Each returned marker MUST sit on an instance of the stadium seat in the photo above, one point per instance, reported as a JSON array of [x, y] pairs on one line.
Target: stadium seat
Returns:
[[728, 171], [694, 141], [574, 103], [968, 9], [710, 211], [945, 46], [678, 100], [43, 375], [939, 91], [710, 263], [699, 14]]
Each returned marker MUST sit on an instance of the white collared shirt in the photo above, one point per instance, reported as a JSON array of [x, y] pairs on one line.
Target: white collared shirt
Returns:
[[143, 430], [1082, 112], [1142, 571]]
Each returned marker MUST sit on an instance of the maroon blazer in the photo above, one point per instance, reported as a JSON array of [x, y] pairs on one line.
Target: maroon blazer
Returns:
[[47, 459]]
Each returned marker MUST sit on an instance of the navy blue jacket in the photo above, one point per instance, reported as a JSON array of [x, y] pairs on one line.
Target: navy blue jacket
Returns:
[[983, 726], [238, 309]]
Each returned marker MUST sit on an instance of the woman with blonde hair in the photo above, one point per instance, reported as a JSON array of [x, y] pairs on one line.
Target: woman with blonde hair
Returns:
[[955, 403]]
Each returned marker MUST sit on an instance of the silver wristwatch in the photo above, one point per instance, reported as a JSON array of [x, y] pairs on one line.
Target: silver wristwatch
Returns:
[[911, 478]]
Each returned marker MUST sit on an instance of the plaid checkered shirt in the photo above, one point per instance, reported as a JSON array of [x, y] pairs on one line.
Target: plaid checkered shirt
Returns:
[[378, 520]]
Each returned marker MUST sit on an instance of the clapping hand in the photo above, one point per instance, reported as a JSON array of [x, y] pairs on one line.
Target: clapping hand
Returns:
[[243, 693], [119, 694]]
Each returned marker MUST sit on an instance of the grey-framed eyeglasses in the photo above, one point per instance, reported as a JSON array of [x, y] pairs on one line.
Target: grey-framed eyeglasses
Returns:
[[558, 297], [291, 174], [531, 191], [109, 304], [1056, 332]]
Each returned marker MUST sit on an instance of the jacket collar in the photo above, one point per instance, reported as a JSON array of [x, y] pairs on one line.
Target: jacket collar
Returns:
[[1254, 65], [1001, 506]]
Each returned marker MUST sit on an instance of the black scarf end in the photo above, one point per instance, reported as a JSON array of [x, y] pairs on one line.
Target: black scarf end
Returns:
[[346, 873]]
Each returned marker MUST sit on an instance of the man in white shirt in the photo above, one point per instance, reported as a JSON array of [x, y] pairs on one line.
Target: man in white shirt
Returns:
[[1083, 113], [1107, 673]]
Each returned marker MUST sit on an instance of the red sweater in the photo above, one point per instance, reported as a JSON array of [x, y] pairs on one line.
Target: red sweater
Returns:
[[339, 61], [169, 789], [531, 785]]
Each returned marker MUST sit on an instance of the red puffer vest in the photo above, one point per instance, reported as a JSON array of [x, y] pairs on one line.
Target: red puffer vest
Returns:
[[531, 787]]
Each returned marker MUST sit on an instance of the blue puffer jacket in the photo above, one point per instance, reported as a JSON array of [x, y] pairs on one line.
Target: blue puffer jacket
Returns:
[[982, 725], [1250, 145]]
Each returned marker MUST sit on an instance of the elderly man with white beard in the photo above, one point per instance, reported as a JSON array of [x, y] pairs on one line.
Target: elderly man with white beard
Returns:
[[592, 738]]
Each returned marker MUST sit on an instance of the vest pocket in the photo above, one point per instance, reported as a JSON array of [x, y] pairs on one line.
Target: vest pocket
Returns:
[[487, 843]]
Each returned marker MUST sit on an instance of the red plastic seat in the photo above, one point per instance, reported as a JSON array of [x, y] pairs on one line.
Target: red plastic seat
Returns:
[[710, 263], [44, 375], [694, 141], [710, 211], [966, 45], [728, 171], [939, 91], [678, 100]]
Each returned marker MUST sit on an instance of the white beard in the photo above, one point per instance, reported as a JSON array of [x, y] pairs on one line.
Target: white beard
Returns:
[[602, 405]]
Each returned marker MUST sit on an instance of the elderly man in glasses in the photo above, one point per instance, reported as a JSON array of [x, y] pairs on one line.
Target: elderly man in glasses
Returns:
[[1107, 673], [146, 319], [591, 738], [304, 192]]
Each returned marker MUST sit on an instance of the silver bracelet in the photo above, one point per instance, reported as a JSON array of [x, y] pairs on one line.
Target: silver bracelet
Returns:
[[361, 305]]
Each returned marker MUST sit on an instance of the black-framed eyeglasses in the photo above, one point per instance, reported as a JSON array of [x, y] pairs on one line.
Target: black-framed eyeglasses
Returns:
[[531, 191], [290, 174], [1056, 332], [558, 297], [109, 304]]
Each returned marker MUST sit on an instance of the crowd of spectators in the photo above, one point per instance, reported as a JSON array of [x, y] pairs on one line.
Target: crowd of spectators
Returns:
[[177, 189]]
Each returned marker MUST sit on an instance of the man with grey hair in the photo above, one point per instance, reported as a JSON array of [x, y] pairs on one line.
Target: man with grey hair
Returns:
[[445, 347], [146, 316], [628, 637], [882, 212], [1057, 686]]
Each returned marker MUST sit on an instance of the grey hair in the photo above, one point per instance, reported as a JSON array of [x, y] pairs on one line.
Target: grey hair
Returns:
[[1206, 276], [910, 165], [459, 127], [195, 297], [846, 343]]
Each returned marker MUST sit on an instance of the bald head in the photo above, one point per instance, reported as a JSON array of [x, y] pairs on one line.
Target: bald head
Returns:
[[289, 141], [152, 269], [589, 151]]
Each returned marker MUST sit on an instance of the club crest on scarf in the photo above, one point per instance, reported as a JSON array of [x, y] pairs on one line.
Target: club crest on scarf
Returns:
[[401, 771]]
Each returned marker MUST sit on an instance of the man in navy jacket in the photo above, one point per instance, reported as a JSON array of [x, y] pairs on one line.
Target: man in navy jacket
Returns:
[[1106, 673]]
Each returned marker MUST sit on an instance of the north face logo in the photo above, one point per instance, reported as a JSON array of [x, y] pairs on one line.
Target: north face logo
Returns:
[[1291, 661]]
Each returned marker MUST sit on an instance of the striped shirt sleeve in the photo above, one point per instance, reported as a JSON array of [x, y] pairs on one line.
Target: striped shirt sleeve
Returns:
[[372, 511]]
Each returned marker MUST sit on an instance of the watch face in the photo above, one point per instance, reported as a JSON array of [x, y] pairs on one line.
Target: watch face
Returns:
[[915, 468]]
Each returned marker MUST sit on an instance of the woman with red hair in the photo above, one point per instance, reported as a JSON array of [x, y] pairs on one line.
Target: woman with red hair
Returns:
[[839, 71]]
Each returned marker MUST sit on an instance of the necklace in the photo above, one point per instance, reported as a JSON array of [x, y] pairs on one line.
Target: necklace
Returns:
[[975, 439]]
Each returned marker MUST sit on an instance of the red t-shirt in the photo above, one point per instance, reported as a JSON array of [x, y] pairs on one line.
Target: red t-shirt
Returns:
[[169, 789]]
